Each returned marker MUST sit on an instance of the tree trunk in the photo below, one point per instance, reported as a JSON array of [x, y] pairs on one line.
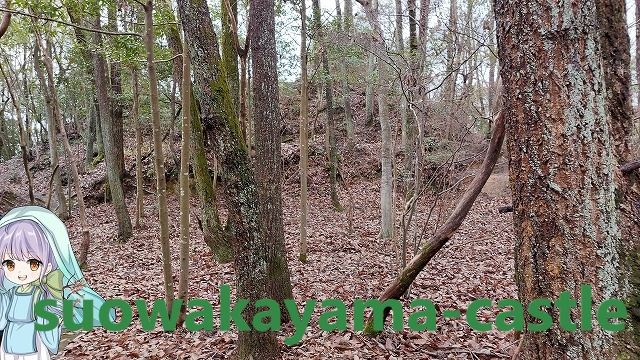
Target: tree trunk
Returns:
[[138, 129], [23, 140], [638, 50], [616, 57], [63, 211], [110, 125], [566, 225], [84, 228], [304, 124], [328, 88], [251, 252], [183, 284], [345, 29], [213, 231], [228, 45], [116, 119], [161, 183], [268, 123]]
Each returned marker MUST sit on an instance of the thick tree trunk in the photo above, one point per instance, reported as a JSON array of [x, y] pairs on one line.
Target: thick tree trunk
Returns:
[[616, 57], [268, 123], [113, 155], [213, 231], [251, 256], [562, 166]]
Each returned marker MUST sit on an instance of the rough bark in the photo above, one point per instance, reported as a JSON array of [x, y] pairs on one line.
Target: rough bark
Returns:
[[268, 123], [616, 56], [218, 114], [562, 165], [112, 155], [161, 182]]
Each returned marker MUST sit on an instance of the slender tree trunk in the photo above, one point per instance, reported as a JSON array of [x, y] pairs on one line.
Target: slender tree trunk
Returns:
[[345, 29], [368, 99], [331, 128], [23, 140], [161, 184], [86, 241], [304, 123], [566, 226], [63, 211], [228, 45], [138, 130], [117, 107], [91, 132], [110, 125], [183, 284]]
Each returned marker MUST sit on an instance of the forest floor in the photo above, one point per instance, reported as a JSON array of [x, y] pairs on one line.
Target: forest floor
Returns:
[[476, 263]]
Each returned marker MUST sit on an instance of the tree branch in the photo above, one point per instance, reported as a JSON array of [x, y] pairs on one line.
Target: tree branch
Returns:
[[6, 18], [18, 12], [446, 231]]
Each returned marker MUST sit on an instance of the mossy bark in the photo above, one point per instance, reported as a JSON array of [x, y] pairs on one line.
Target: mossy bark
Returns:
[[217, 238], [228, 45], [217, 113]]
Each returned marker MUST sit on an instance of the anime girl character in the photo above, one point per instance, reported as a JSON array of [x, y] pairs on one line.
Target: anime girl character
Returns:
[[37, 263]]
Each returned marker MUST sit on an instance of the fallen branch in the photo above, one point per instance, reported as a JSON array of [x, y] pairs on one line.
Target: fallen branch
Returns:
[[446, 231], [505, 209], [630, 166]]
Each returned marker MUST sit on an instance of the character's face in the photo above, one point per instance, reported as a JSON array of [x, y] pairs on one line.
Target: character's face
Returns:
[[23, 271]]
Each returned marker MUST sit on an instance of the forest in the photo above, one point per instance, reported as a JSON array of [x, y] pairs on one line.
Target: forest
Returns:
[[293, 179]]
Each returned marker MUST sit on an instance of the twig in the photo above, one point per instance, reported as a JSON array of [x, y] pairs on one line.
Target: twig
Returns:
[[18, 12]]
